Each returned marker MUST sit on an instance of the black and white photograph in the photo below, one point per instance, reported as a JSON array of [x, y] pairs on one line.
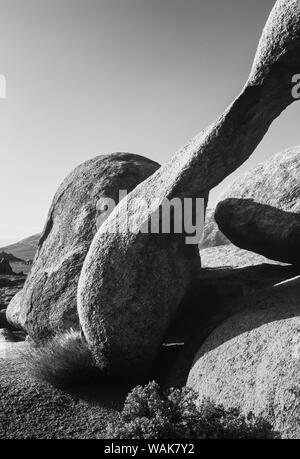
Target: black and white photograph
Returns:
[[150, 222]]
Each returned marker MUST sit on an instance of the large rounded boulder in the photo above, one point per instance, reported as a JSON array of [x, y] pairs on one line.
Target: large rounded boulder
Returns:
[[48, 300], [252, 360], [260, 211]]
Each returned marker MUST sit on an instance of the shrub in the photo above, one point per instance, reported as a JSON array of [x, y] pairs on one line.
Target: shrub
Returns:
[[64, 360], [148, 414]]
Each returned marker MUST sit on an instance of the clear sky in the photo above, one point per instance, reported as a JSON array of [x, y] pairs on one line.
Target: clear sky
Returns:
[[90, 77]]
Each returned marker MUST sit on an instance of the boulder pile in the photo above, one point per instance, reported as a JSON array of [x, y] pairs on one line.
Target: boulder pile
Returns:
[[260, 211], [132, 284], [124, 285]]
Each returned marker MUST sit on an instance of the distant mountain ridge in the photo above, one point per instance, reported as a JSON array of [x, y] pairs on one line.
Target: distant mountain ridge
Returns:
[[9, 257], [24, 249]]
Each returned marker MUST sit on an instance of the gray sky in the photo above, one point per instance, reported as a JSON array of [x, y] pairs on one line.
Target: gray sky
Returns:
[[89, 77]]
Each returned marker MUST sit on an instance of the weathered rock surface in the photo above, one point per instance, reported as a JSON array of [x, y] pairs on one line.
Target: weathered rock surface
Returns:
[[48, 301], [212, 236], [261, 210], [132, 283], [252, 360]]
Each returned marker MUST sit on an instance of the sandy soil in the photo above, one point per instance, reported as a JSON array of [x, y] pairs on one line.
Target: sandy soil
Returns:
[[31, 409]]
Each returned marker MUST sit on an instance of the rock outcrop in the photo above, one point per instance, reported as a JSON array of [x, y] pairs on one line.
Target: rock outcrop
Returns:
[[9, 257], [5, 267], [252, 360], [133, 282], [47, 303], [260, 211]]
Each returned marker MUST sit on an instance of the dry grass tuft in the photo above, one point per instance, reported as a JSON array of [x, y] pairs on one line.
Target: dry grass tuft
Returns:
[[63, 361]]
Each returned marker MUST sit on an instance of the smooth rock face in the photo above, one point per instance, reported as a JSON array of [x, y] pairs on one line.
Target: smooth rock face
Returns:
[[261, 209], [132, 284], [48, 301], [252, 360]]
